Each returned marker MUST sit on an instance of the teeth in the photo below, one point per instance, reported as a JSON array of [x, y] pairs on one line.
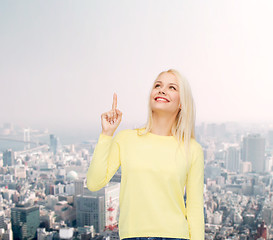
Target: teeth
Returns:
[[162, 99]]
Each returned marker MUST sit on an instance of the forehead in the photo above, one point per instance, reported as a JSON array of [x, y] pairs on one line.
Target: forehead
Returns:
[[167, 78]]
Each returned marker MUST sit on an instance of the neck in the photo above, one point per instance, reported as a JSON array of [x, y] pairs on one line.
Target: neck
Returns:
[[162, 124]]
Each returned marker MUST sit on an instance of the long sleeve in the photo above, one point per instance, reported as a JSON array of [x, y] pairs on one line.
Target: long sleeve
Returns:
[[105, 162], [195, 198]]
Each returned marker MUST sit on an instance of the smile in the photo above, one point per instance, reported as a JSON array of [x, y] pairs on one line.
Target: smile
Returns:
[[160, 99]]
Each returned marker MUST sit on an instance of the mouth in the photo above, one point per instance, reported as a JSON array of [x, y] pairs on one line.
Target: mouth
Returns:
[[161, 99]]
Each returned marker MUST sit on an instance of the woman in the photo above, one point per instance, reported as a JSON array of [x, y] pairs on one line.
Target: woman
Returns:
[[157, 162]]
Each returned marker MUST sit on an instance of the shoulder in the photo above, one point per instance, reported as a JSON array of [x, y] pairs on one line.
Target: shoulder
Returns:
[[196, 145]]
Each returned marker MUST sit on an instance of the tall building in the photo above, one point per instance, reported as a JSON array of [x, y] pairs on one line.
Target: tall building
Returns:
[[262, 231], [233, 159], [216, 130], [79, 187], [8, 158], [245, 167], [54, 143], [8, 126], [2, 218], [254, 151], [25, 220], [270, 138], [99, 209], [269, 163], [90, 211]]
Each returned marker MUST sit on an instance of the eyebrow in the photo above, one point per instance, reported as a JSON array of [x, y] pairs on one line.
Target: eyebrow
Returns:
[[169, 84]]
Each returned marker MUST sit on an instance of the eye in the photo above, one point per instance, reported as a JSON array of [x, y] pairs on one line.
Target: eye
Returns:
[[173, 87], [157, 85]]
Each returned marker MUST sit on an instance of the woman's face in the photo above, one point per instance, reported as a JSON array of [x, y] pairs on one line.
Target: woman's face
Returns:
[[167, 87]]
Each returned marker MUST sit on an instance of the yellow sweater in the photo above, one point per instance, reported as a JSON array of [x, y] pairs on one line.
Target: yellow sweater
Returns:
[[153, 179]]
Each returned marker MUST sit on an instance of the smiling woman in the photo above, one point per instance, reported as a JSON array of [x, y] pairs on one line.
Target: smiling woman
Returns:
[[157, 161]]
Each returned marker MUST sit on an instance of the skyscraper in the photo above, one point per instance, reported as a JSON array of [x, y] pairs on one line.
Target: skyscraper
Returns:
[[100, 209], [2, 218], [270, 138], [232, 159], [254, 151], [90, 210], [8, 158], [54, 143], [79, 186], [25, 220]]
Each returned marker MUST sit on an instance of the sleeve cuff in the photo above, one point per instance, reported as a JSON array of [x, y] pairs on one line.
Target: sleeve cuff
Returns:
[[104, 137]]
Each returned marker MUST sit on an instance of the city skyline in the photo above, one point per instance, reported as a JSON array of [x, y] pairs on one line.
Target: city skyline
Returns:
[[49, 183]]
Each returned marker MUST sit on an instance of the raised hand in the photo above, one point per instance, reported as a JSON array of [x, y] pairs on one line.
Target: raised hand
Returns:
[[110, 120]]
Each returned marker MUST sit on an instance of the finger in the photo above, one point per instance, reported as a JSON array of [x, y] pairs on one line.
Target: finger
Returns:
[[104, 116], [114, 105], [109, 116], [116, 113], [119, 113]]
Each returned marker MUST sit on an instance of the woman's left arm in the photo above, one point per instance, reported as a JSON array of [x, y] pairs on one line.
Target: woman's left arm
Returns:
[[195, 198]]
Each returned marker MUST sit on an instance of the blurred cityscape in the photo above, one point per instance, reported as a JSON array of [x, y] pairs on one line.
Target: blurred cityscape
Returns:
[[43, 193]]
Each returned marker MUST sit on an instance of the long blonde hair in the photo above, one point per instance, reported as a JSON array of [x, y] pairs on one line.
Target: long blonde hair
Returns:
[[184, 125]]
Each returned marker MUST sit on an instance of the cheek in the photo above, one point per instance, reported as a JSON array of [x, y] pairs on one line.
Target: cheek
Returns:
[[152, 94], [176, 97]]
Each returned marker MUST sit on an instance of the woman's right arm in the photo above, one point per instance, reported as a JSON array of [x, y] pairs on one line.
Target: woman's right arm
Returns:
[[105, 162], [106, 157]]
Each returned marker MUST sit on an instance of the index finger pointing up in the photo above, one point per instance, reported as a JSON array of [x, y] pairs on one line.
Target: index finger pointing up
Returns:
[[114, 106]]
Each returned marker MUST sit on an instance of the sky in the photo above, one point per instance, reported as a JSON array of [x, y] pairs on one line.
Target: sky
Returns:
[[61, 61]]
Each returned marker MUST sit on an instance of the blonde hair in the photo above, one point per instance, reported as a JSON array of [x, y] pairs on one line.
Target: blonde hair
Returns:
[[184, 125]]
